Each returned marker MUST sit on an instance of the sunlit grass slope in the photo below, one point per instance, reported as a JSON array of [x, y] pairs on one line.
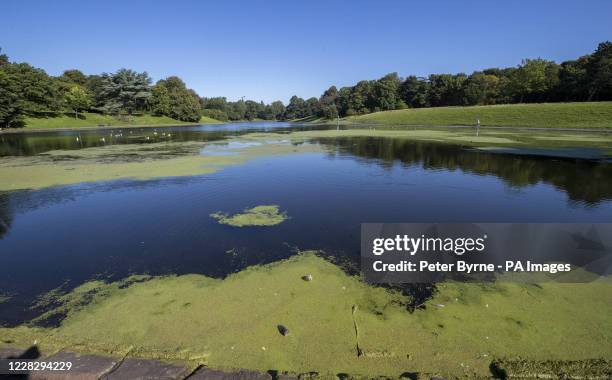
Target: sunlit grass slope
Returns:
[[545, 115], [95, 119]]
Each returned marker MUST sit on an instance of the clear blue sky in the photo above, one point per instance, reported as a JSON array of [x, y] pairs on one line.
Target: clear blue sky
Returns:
[[268, 50]]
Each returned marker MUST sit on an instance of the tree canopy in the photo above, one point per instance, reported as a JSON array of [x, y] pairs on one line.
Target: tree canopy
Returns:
[[28, 91], [171, 97]]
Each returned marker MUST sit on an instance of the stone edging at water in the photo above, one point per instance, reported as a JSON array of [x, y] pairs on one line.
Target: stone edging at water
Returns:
[[94, 367]]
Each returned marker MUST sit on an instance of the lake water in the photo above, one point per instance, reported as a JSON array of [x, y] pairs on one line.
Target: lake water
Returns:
[[70, 234]]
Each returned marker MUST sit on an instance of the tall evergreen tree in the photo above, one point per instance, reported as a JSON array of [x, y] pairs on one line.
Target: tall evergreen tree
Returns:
[[125, 91]]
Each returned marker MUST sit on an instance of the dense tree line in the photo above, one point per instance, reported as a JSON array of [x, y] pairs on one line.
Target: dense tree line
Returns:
[[588, 78], [29, 91], [221, 109]]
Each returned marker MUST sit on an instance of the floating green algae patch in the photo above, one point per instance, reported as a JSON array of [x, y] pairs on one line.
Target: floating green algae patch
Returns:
[[464, 136], [167, 159], [233, 323], [264, 215], [136, 161]]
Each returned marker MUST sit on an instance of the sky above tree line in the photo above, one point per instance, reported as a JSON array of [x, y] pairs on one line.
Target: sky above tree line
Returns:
[[271, 50]]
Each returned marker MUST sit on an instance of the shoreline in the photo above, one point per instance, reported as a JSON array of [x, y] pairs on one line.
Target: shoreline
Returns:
[[457, 126], [10, 131]]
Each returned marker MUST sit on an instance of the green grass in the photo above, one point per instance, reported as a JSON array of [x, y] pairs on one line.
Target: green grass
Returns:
[[95, 119], [546, 115], [232, 323]]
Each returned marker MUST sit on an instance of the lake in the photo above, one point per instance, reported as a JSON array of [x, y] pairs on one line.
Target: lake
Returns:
[[63, 236]]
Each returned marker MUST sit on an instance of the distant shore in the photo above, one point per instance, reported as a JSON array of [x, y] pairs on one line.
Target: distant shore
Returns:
[[102, 127], [574, 116]]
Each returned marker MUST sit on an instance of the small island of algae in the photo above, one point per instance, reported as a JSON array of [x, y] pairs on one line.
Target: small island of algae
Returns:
[[264, 215]]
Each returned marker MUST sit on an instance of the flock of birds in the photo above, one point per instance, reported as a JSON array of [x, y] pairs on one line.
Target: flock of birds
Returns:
[[120, 134]]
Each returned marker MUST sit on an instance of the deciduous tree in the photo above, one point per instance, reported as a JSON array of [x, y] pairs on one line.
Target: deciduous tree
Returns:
[[77, 99]]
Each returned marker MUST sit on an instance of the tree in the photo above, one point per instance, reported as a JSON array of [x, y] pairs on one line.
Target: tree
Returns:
[[253, 110], [360, 98], [414, 91], [385, 92], [599, 72], [481, 88], [4, 60], [534, 79], [77, 99], [446, 90], [277, 109], [160, 100], [125, 91], [218, 103], [37, 92], [327, 103], [296, 108], [74, 77], [172, 98], [11, 108], [236, 110], [573, 80], [215, 114], [312, 107]]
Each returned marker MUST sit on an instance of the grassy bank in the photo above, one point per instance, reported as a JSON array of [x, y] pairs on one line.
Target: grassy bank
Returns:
[[587, 115], [234, 323], [95, 119]]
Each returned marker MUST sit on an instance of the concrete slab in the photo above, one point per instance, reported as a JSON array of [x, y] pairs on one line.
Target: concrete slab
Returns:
[[211, 374], [136, 369], [84, 367], [9, 352]]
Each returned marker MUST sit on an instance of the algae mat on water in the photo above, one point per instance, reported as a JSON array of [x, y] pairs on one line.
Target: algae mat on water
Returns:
[[464, 136], [134, 161], [264, 215], [171, 159], [233, 323]]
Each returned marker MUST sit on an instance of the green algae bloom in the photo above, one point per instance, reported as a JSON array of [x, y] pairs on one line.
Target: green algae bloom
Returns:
[[338, 323], [264, 215], [133, 161], [175, 159], [464, 136]]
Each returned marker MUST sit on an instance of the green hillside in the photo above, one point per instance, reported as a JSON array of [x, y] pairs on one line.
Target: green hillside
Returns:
[[95, 119], [585, 115]]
